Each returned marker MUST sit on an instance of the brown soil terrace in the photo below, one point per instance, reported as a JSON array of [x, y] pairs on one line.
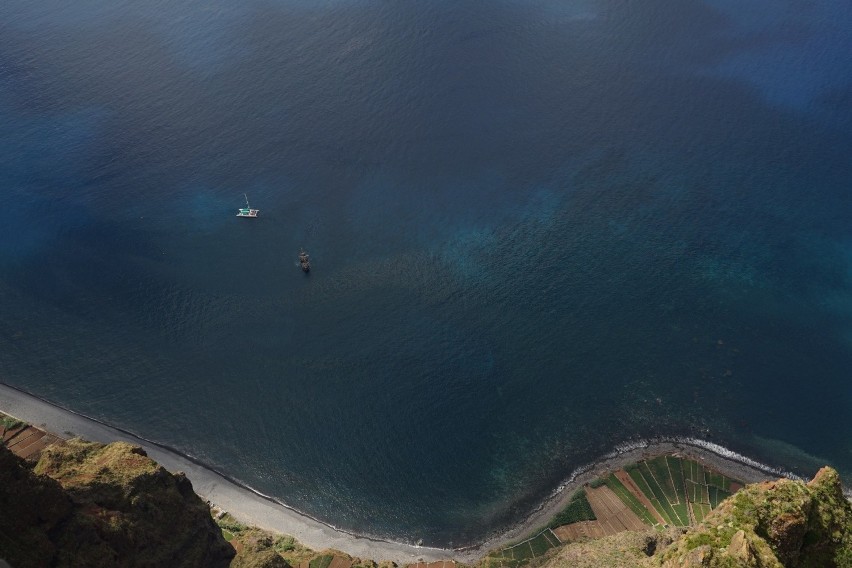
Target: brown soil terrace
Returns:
[[27, 441]]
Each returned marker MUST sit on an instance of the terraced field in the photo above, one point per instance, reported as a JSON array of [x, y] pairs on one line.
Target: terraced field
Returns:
[[24, 440], [521, 553], [680, 491], [664, 491]]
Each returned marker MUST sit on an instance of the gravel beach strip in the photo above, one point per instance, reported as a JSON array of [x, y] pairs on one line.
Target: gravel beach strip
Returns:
[[254, 508]]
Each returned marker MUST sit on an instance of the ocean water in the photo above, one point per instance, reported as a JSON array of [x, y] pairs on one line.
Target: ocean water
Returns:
[[539, 229]]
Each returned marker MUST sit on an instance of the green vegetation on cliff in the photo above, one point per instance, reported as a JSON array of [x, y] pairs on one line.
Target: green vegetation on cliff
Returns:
[[779, 524], [9, 423], [578, 509], [88, 504], [775, 524]]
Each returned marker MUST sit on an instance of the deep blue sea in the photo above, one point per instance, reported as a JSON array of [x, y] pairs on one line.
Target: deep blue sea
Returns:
[[538, 228]]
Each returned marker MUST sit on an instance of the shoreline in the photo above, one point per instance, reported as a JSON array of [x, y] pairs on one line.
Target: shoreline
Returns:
[[718, 458], [244, 503], [255, 508]]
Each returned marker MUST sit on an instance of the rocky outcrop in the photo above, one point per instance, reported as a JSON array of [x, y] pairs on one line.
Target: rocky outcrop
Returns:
[[259, 559], [88, 504], [91, 504], [257, 551], [629, 549], [779, 524]]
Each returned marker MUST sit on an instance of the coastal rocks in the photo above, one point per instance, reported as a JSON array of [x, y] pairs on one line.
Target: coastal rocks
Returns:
[[779, 524], [741, 552], [741, 549], [832, 514], [105, 505]]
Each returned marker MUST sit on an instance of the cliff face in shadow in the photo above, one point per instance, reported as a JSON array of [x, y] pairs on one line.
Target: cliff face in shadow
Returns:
[[31, 508], [89, 504]]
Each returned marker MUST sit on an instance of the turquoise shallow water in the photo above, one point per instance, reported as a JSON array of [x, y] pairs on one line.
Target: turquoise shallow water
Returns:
[[538, 229]]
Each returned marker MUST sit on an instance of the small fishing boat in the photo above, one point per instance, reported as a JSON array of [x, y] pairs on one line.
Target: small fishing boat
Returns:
[[304, 261], [248, 211]]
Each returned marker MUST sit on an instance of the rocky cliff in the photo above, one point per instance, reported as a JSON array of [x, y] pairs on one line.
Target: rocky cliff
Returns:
[[779, 524], [775, 524], [88, 504]]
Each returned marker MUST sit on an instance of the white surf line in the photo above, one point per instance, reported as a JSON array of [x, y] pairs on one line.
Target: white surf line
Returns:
[[255, 508], [630, 451], [246, 504]]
